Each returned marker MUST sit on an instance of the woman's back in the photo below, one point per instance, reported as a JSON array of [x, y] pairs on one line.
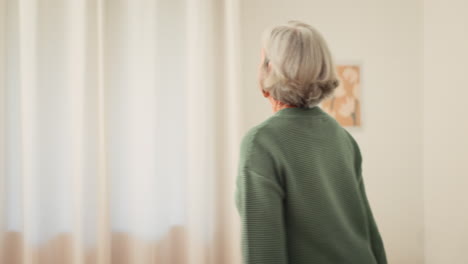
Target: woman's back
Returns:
[[300, 193]]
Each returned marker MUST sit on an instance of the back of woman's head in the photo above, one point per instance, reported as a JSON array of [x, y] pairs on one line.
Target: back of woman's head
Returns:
[[298, 68]]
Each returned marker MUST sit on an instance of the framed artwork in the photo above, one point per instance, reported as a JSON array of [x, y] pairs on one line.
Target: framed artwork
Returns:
[[345, 103]]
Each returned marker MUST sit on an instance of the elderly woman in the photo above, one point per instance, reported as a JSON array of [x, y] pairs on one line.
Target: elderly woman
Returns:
[[300, 192]]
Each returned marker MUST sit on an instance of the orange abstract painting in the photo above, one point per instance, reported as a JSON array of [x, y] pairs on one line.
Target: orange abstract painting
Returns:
[[345, 103]]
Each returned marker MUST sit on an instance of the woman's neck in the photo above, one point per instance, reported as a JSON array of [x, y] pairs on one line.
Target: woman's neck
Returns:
[[276, 105]]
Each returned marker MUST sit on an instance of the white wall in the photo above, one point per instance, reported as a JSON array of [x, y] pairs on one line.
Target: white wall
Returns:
[[446, 131], [387, 37]]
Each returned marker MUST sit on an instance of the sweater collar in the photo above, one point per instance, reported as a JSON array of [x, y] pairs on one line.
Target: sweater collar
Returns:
[[300, 111]]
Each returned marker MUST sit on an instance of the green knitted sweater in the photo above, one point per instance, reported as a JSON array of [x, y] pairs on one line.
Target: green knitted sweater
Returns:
[[300, 193]]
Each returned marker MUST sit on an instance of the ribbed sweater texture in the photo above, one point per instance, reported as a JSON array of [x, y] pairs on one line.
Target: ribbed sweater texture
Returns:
[[300, 193]]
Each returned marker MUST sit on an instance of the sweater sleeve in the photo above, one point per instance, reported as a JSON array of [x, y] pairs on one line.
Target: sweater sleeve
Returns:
[[375, 238], [260, 204]]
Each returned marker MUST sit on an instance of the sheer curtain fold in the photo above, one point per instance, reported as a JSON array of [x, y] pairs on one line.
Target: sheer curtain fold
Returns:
[[118, 131], [2, 122]]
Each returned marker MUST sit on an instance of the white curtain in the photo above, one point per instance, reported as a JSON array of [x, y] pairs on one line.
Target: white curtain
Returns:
[[119, 131]]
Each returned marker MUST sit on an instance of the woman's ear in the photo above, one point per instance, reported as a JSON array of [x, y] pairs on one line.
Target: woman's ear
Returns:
[[265, 94]]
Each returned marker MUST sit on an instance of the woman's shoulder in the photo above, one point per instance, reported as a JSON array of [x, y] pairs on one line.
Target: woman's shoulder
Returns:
[[261, 129], [354, 145], [257, 149], [249, 137]]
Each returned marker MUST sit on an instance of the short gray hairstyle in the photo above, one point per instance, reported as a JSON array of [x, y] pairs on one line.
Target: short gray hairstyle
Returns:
[[298, 68]]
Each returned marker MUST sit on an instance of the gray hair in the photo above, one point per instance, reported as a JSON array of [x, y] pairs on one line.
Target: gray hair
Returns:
[[298, 68]]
